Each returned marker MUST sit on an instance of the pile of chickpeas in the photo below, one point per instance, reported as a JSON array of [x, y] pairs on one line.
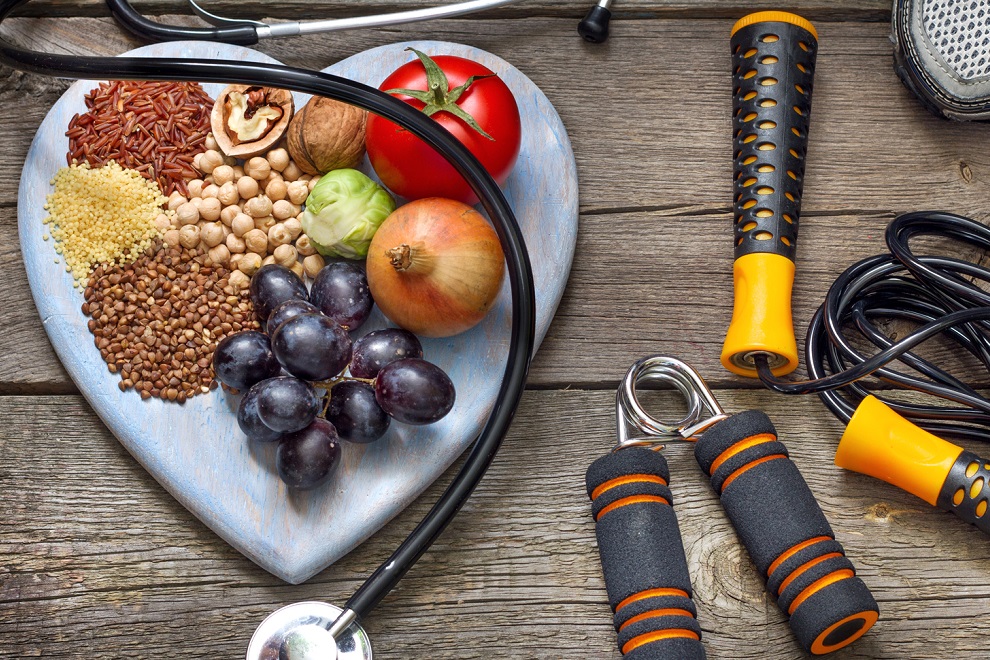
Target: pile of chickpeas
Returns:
[[244, 215]]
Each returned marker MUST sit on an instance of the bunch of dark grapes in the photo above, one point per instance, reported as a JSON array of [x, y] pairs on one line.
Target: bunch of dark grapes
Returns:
[[307, 350]]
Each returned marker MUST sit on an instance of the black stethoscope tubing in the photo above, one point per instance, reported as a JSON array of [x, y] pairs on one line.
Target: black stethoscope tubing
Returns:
[[522, 336]]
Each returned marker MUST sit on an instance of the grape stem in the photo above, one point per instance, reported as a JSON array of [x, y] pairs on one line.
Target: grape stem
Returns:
[[328, 384]]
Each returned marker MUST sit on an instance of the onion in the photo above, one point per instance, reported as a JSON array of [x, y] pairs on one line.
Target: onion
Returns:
[[435, 267]]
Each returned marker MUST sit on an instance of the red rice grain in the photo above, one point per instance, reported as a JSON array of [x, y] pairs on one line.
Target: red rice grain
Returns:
[[154, 127]]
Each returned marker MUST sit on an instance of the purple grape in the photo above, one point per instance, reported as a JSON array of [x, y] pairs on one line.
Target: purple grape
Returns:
[[341, 292], [414, 391], [355, 413], [243, 359], [286, 311], [312, 347], [250, 422], [287, 404], [381, 347], [308, 457], [271, 286]]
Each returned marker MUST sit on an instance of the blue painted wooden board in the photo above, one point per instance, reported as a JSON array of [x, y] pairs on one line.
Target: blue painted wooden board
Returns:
[[197, 452]]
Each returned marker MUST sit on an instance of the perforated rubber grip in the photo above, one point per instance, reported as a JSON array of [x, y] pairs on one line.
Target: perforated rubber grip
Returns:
[[785, 532], [967, 489], [646, 574], [773, 67]]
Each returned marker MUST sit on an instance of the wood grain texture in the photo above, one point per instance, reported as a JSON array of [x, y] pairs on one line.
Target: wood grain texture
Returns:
[[654, 178], [288, 533], [96, 560], [860, 10]]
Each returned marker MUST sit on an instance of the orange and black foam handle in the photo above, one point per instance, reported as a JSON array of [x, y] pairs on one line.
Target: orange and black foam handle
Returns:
[[880, 443], [646, 573], [785, 532], [773, 69]]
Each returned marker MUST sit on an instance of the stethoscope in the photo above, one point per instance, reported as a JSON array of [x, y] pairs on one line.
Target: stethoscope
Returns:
[[313, 629]]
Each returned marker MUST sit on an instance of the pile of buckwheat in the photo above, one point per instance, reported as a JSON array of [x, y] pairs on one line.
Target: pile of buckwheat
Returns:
[[157, 320]]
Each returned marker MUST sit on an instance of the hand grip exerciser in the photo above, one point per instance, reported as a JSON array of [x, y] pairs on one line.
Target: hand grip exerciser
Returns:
[[765, 497], [773, 59], [880, 443]]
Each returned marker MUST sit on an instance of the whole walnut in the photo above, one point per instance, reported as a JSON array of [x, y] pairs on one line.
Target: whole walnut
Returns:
[[326, 135]]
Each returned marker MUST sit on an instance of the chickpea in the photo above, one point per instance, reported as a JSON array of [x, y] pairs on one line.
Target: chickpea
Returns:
[[270, 259], [297, 192], [291, 172], [249, 264], [223, 174], [219, 254], [241, 224], [238, 172], [211, 190], [235, 258], [210, 209], [235, 244], [228, 194], [162, 222], [189, 236], [257, 168], [304, 246], [197, 202], [298, 269], [226, 231], [228, 214], [276, 190], [278, 159], [247, 187], [239, 280], [305, 177], [171, 237], [187, 214], [312, 183], [294, 227], [175, 200], [258, 207], [207, 180], [313, 264], [285, 255], [211, 234], [198, 161], [210, 160], [256, 241], [211, 142], [265, 223], [284, 209], [278, 235]]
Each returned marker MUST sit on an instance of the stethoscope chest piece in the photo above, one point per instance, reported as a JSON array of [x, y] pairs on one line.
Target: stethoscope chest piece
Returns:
[[301, 631]]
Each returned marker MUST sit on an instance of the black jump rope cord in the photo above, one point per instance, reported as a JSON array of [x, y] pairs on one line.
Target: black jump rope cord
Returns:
[[938, 293], [520, 274]]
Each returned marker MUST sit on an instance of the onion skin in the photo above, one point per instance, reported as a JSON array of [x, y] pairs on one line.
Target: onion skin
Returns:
[[435, 267]]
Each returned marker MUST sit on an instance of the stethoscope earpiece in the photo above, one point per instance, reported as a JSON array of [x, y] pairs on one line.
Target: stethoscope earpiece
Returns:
[[594, 27]]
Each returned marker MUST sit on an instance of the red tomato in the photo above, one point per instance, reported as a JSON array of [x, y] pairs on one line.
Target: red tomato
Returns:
[[412, 169]]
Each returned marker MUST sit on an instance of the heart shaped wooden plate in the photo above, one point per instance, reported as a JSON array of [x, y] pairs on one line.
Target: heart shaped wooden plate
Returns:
[[196, 451]]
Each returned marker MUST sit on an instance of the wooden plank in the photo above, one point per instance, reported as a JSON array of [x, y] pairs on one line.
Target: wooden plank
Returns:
[[654, 180], [867, 10], [97, 561]]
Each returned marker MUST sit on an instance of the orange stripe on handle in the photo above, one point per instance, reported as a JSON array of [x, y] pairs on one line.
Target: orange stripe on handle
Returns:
[[732, 477], [742, 445], [628, 479], [818, 585], [651, 593], [646, 638], [803, 567], [793, 551], [632, 499], [655, 613]]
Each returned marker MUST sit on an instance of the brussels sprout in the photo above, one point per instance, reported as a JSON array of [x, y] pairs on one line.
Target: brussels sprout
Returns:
[[343, 211]]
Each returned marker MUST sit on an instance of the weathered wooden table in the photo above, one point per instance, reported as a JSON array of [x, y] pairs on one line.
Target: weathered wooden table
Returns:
[[98, 561]]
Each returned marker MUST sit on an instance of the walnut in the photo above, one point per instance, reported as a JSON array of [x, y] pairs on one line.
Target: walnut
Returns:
[[248, 120], [326, 135]]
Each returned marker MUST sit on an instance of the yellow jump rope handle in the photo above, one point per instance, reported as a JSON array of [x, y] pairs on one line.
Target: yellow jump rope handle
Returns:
[[773, 60], [880, 443]]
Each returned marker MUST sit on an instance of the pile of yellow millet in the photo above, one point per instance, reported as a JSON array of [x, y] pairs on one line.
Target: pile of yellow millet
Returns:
[[104, 215]]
